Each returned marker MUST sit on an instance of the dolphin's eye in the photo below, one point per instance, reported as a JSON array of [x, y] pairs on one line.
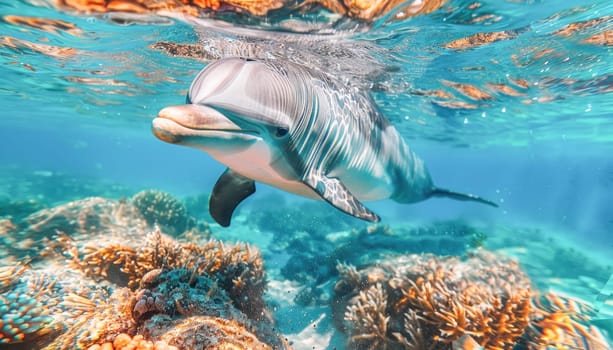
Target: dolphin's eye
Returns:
[[281, 131]]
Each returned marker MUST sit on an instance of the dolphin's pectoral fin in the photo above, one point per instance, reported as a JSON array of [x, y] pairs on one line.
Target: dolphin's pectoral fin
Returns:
[[334, 192], [229, 191]]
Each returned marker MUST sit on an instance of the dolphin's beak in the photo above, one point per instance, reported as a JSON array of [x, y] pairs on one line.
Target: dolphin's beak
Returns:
[[175, 122]]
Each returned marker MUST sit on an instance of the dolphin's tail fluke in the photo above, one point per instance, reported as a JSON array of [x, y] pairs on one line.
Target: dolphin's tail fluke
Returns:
[[441, 192]]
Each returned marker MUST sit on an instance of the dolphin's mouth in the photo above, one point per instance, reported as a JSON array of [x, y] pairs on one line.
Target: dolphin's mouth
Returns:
[[176, 122]]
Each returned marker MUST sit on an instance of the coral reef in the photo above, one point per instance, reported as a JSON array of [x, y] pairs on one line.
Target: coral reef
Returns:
[[430, 302], [313, 258], [89, 216], [289, 220], [18, 209], [159, 294], [101, 277], [163, 209], [37, 305], [24, 318], [198, 206], [97, 217], [238, 269], [562, 323], [551, 260], [138, 342]]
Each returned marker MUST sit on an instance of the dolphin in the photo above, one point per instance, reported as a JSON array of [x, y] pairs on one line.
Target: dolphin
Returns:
[[299, 130]]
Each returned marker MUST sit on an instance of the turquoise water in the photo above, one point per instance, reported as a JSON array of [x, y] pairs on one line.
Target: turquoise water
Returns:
[[78, 105]]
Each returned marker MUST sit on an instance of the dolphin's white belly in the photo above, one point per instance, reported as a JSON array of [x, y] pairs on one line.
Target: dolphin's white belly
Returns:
[[255, 163]]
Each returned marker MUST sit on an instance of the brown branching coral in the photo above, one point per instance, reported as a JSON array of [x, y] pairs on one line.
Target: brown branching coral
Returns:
[[369, 312], [428, 302], [181, 296], [95, 283], [562, 323], [438, 300], [238, 269]]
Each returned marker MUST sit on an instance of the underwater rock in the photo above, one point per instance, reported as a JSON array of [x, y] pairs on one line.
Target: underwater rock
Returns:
[[550, 258], [314, 259], [94, 216], [198, 206], [430, 302], [287, 221], [16, 210]]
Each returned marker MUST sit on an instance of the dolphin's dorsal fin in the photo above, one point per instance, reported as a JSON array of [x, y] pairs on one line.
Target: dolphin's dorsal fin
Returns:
[[334, 192], [229, 191]]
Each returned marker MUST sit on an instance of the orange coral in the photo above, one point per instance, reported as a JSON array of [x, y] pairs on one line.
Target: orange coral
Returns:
[[210, 333], [369, 312], [436, 301], [124, 341], [98, 322], [562, 323], [429, 302], [238, 268]]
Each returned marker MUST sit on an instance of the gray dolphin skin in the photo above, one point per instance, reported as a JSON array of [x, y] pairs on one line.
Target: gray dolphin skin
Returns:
[[299, 130]]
